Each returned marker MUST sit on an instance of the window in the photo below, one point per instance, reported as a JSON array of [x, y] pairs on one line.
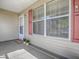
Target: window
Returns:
[[38, 27], [58, 7], [38, 21], [58, 27], [57, 23], [57, 19], [21, 29]]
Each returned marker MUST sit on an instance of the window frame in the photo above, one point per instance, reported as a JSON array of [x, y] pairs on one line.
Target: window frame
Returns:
[[70, 14], [37, 21]]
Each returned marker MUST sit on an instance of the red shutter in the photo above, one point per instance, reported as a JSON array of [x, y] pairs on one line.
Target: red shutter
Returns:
[[75, 14], [30, 21]]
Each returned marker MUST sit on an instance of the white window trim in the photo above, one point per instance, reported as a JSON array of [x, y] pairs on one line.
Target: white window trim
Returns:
[[70, 15], [45, 34], [37, 20], [55, 17]]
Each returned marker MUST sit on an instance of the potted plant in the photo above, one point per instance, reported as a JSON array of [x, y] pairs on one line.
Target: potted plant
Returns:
[[26, 41]]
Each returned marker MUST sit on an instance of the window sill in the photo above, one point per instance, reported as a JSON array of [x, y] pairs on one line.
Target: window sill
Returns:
[[52, 37]]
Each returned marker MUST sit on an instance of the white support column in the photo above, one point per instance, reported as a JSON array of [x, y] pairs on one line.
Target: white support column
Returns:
[[44, 19]]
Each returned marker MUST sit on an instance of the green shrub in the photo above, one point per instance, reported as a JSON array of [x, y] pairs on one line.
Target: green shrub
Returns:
[[26, 40]]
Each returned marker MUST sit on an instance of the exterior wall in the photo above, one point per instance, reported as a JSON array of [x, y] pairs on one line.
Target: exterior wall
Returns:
[[57, 45], [8, 25], [61, 46]]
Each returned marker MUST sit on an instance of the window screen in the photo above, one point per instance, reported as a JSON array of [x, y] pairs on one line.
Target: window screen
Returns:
[[57, 23], [58, 7], [38, 20], [38, 13], [58, 27], [38, 27]]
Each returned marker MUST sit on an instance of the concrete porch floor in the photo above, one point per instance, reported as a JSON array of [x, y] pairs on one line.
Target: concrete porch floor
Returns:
[[11, 46]]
